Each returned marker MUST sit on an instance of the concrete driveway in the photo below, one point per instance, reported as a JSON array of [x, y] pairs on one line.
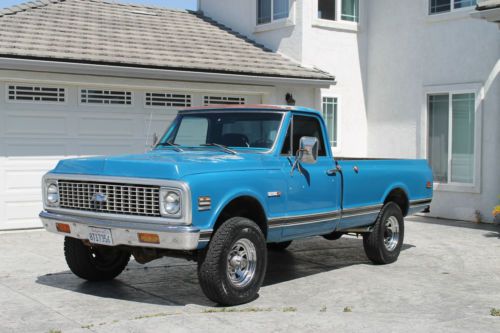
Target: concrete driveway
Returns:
[[446, 279]]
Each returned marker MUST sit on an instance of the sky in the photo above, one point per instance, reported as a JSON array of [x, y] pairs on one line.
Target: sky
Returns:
[[182, 4]]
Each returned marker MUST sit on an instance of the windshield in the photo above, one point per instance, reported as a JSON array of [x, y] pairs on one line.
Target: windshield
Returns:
[[255, 130]]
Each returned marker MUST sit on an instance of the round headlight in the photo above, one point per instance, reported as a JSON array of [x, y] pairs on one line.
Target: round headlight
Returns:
[[52, 194], [172, 203]]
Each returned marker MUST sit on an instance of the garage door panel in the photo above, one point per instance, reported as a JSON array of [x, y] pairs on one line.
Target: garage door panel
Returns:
[[20, 212], [33, 148], [106, 126], [35, 124], [104, 149], [23, 180]]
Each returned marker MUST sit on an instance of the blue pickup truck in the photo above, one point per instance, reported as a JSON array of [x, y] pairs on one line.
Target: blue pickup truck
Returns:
[[224, 185]]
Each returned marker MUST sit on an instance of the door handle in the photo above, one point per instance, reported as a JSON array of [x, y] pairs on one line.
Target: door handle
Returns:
[[333, 172]]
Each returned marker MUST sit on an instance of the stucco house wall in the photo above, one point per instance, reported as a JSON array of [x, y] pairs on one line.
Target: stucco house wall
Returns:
[[412, 53]]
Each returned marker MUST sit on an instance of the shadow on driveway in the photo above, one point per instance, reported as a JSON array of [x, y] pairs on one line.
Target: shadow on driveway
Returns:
[[494, 229], [169, 281], [453, 223]]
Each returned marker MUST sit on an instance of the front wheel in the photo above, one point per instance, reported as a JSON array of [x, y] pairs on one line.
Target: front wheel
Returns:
[[94, 263], [383, 244], [232, 268]]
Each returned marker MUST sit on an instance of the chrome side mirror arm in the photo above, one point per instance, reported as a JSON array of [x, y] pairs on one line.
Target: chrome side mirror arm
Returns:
[[296, 163]]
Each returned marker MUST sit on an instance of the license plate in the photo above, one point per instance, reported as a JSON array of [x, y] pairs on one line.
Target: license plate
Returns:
[[100, 236]]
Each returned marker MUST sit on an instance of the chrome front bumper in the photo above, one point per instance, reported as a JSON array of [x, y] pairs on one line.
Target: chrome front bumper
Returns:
[[126, 233]]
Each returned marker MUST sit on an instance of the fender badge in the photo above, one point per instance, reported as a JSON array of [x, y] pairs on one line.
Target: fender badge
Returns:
[[274, 194]]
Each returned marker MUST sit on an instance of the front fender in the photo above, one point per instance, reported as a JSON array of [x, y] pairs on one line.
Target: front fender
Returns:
[[224, 188], [237, 193]]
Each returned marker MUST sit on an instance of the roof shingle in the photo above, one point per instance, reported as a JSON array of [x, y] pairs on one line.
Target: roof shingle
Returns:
[[97, 31]]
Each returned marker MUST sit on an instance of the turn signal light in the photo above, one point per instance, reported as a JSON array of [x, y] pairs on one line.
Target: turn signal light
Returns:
[[63, 227], [428, 185], [148, 238]]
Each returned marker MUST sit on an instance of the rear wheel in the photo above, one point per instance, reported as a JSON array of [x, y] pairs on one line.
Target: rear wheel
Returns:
[[383, 244], [94, 263], [231, 269], [281, 246]]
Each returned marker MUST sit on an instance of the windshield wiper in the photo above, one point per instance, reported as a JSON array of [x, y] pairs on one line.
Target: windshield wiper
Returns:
[[224, 148], [170, 144]]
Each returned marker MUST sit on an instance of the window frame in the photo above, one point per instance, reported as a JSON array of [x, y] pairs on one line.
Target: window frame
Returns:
[[273, 21], [340, 15], [106, 105], [326, 143], [188, 99], [38, 85], [337, 98], [452, 8], [454, 89], [224, 99], [338, 23]]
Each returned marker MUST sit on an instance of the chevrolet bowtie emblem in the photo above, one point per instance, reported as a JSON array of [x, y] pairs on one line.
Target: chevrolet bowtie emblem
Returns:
[[99, 197]]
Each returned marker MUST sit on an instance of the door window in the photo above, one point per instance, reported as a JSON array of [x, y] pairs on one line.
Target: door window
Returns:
[[303, 126]]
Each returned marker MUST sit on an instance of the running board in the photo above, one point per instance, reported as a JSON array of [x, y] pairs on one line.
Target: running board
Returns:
[[360, 230]]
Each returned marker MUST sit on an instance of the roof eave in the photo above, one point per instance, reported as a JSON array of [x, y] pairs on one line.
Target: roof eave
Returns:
[[68, 67]]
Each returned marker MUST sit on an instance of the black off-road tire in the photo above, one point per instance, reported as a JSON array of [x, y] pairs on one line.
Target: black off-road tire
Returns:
[[373, 242], [281, 246], [213, 262], [100, 263]]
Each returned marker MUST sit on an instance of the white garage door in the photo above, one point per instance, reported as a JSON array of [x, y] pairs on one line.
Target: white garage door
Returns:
[[40, 124]]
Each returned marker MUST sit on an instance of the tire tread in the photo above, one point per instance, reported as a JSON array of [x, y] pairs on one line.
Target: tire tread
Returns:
[[209, 270]]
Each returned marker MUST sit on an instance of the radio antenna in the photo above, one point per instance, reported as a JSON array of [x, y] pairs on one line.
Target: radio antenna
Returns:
[[146, 146]]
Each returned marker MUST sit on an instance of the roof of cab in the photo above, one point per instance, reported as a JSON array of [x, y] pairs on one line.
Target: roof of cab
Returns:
[[269, 107]]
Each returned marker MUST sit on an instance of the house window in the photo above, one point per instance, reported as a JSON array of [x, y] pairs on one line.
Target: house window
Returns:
[[348, 10], [272, 10], [223, 100], [106, 97], [442, 6], [451, 137], [39, 94], [326, 9], [330, 114], [155, 99]]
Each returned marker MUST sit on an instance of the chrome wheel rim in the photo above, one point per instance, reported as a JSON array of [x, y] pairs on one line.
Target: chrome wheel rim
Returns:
[[241, 262], [391, 233]]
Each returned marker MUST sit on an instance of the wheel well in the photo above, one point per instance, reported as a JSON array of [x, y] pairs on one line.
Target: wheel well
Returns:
[[399, 197], [244, 206]]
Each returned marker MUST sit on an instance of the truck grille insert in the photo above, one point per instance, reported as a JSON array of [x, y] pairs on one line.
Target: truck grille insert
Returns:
[[112, 198]]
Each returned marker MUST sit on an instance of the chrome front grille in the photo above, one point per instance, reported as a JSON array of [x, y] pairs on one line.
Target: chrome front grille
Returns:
[[112, 198]]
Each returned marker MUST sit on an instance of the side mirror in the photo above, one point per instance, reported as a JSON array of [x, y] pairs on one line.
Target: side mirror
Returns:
[[155, 140], [308, 149], [152, 144]]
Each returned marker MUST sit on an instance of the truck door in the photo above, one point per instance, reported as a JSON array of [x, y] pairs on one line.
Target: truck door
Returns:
[[313, 196]]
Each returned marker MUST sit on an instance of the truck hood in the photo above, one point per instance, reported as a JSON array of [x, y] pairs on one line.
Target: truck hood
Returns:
[[164, 164]]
